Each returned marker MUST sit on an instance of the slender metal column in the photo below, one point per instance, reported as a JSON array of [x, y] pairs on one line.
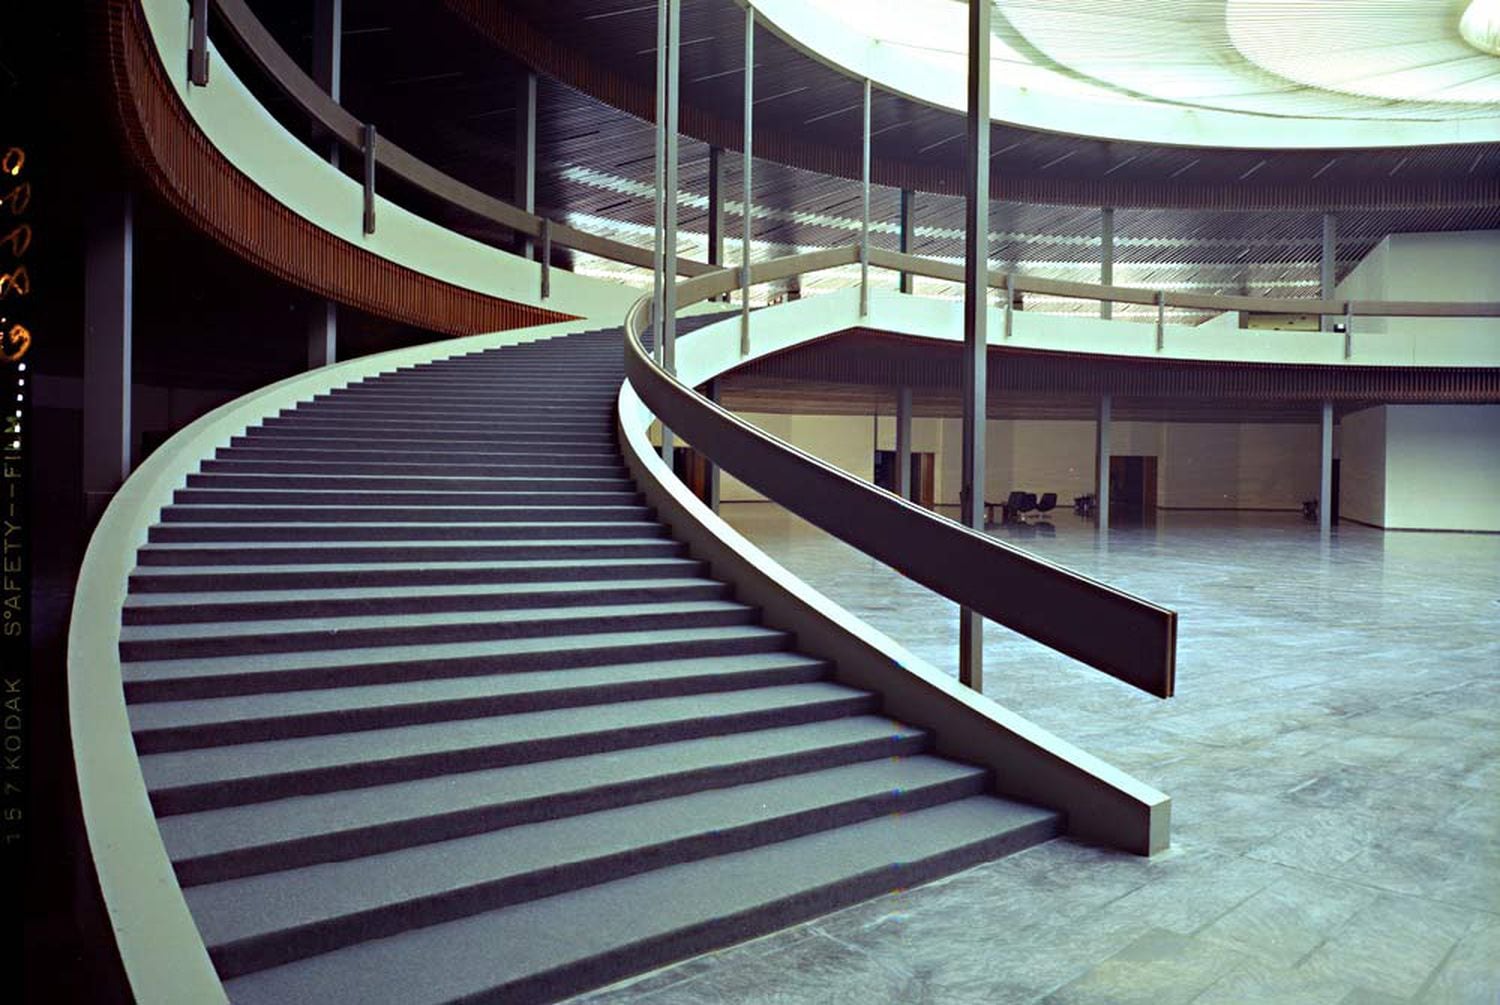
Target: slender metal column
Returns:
[[109, 283], [976, 306], [659, 166], [745, 214], [1328, 266], [904, 487], [1325, 472], [328, 58], [523, 184], [906, 280], [327, 67], [1106, 257], [864, 217], [668, 129], [716, 209], [713, 469], [1101, 464]]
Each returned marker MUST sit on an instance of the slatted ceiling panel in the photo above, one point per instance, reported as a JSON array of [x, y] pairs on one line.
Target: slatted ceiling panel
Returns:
[[607, 184]]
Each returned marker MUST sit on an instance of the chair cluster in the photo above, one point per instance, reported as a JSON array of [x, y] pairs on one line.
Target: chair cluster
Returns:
[[1019, 507]]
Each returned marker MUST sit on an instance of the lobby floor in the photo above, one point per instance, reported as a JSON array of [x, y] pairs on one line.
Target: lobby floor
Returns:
[[1333, 758]]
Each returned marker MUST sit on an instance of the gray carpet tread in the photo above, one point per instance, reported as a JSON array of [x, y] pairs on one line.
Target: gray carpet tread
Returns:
[[340, 824], [296, 600], [537, 685], [587, 936], [520, 863], [217, 766], [489, 649]]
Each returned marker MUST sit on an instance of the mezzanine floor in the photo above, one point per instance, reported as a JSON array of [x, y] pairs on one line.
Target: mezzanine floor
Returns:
[[1333, 756]]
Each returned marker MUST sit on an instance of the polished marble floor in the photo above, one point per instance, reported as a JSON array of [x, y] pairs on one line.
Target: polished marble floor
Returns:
[[1333, 757]]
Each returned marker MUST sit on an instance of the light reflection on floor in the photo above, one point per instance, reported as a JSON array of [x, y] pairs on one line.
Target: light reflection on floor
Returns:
[[1331, 755]]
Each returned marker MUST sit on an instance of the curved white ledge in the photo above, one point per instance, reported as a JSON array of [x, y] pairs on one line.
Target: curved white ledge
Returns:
[[162, 952], [1101, 802], [1376, 342], [937, 79]]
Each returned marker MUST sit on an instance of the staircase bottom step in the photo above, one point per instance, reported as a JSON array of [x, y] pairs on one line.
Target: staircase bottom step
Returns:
[[546, 949]]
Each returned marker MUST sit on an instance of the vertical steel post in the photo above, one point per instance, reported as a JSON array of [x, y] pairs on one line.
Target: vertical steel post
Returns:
[[328, 58], [198, 46], [908, 226], [1101, 464], [976, 307], [1161, 319], [1328, 267], [523, 183], [659, 167], [749, 159], [546, 256], [1106, 258], [369, 150], [1010, 302], [904, 487], [1348, 328], [669, 220], [864, 212], [109, 282], [1325, 471], [327, 67], [716, 210], [669, 209], [713, 469]]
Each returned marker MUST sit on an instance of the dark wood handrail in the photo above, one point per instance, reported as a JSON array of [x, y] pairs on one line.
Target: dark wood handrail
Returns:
[[1124, 636]]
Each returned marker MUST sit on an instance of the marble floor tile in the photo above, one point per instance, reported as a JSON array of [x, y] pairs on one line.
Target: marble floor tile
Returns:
[[1332, 757], [1159, 968], [1471, 973], [1394, 945]]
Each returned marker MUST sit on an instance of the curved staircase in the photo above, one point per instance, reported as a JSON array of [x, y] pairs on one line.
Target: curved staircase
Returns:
[[431, 709]]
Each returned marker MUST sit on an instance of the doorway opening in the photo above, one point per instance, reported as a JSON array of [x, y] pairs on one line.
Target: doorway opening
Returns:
[[923, 466], [1132, 488]]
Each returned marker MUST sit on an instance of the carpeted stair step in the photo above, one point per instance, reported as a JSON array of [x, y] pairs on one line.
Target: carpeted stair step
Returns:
[[192, 640], [213, 722], [341, 601], [262, 921], [211, 677], [566, 943], [401, 575], [514, 530], [215, 845], [212, 778], [369, 512]]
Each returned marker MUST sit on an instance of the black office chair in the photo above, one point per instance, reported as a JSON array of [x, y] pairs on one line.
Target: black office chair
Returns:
[[1015, 504], [1026, 505], [1046, 504]]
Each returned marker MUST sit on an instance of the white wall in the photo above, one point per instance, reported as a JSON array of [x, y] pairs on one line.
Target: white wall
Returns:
[[1422, 467], [1451, 266], [1442, 467]]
